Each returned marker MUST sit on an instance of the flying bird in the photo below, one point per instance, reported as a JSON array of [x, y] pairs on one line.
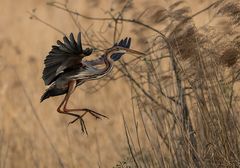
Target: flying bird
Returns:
[[65, 69]]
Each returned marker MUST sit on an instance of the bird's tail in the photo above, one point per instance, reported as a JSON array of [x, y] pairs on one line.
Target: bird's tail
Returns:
[[52, 91], [45, 95]]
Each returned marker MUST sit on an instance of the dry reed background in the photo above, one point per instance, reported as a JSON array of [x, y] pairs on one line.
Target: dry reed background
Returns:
[[176, 107]]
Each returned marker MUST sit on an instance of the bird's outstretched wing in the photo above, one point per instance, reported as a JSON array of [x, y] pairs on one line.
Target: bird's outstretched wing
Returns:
[[62, 56], [125, 43]]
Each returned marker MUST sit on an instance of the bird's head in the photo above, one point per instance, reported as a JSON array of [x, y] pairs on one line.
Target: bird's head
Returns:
[[116, 52]]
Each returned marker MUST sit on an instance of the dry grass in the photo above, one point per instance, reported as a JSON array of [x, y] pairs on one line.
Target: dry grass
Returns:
[[176, 107]]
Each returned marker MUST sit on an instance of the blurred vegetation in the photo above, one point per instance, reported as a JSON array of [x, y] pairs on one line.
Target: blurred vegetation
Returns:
[[184, 93]]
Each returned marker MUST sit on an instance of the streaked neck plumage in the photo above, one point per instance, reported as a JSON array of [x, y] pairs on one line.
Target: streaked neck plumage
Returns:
[[97, 72]]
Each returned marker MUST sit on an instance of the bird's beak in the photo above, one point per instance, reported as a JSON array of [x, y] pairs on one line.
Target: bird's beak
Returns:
[[133, 51]]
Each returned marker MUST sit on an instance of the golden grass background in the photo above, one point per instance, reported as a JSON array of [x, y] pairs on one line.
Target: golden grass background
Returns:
[[24, 43]]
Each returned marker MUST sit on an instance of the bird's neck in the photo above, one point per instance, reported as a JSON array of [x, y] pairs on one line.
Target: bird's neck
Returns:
[[108, 66], [99, 72]]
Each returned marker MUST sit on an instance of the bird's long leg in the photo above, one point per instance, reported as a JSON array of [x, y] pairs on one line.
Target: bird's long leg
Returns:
[[93, 113], [71, 89], [59, 107], [72, 85], [82, 123]]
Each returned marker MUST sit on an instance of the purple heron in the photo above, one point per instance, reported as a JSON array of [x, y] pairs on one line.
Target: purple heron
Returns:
[[65, 69]]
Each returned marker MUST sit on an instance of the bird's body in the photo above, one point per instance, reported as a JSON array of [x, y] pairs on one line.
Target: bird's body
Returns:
[[65, 69], [81, 73]]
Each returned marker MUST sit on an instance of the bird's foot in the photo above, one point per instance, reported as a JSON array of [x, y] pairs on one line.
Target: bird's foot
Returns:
[[80, 117], [82, 123], [94, 113]]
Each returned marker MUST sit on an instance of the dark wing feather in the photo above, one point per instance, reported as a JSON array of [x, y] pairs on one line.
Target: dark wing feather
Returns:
[[68, 44], [71, 61], [53, 91], [79, 43], [62, 56], [63, 47], [126, 43], [73, 42]]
